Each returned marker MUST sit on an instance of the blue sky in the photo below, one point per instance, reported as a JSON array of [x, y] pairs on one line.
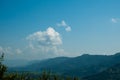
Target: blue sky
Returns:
[[93, 26]]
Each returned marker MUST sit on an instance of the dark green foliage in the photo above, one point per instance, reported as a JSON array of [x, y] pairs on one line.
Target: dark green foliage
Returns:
[[55, 77], [45, 76], [2, 67], [31, 76], [76, 78], [112, 73]]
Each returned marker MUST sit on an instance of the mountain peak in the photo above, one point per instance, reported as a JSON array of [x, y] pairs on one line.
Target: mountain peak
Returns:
[[117, 54], [86, 55]]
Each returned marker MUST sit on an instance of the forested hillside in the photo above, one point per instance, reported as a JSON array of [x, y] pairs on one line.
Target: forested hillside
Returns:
[[81, 66], [112, 73]]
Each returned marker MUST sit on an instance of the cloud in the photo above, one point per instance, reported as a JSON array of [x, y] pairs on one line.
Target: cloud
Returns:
[[114, 20], [46, 38], [10, 50], [5, 50], [18, 51], [41, 45], [63, 24], [1, 49], [68, 29], [45, 43]]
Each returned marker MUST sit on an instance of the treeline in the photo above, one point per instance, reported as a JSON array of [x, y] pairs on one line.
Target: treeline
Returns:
[[4, 75]]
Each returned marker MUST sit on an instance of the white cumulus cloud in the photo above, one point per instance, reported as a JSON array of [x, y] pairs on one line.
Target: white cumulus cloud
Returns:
[[63, 24], [46, 38], [47, 42]]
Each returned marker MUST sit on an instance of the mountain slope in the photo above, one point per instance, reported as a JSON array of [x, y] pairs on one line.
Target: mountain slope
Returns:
[[112, 73], [84, 65]]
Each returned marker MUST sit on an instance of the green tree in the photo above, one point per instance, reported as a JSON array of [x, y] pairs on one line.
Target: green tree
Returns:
[[3, 68]]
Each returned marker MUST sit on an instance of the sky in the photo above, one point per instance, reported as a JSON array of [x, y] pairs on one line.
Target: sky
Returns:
[[40, 29]]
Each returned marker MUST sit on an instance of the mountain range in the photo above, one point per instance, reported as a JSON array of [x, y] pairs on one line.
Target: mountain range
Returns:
[[81, 66]]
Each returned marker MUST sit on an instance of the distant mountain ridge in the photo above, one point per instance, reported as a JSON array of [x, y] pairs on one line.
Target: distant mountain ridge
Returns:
[[81, 66]]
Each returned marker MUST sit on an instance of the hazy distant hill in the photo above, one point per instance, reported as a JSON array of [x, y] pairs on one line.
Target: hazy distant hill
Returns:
[[17, 62], [84, 65]]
